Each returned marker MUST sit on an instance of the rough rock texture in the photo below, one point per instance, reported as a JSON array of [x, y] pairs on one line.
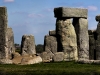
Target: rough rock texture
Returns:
[[50, 44], [52, 33], [97, 18], [10, 41], [59, 56], [3, 30], [5, 61], [34, 60], [66, 37], [92, 45], [70, 12], [89, 61], [98, 42], [24, 60], [81, 28], [47, 57], [28, 45]]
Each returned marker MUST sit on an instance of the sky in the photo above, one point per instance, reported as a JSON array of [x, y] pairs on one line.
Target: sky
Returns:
[[36, 17]]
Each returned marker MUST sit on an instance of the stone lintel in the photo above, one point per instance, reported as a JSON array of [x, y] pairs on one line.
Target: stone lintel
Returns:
[[70, 12]]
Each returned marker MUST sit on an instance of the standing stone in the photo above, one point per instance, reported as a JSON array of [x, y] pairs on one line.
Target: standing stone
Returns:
[[3, 30], [28, 45], [58, 56], [92, 44], [10, 41], [66, 38], [50, 44], [81, 28]]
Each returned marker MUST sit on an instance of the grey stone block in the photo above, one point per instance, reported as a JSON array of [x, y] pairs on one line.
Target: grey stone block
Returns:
[[28, 45], [3, 11], [70, 12], [59, 56], [50, 44], [52, 33], [81, 28]]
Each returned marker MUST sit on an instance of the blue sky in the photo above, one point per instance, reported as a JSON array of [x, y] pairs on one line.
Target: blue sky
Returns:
[[36, 17]]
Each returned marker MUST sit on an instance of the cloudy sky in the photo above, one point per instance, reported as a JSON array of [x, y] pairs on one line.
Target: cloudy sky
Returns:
[[36, 17]]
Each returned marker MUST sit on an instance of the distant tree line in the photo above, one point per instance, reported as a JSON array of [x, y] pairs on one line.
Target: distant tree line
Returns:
[[39, 48]]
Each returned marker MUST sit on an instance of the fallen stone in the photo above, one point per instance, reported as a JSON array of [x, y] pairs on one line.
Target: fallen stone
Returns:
[[5, 61], [26, 61], [46, 57], [70, 12], [59, 56]]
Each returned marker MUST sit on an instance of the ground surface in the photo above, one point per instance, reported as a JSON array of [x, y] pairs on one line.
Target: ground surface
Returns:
[[58, 68]]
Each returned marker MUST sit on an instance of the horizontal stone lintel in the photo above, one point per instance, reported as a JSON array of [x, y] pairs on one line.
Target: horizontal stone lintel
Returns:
[[70, 12]]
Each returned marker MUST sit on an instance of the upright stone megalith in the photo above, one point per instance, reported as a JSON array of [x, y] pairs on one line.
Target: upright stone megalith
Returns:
[[81, 28], [3, 30], [66, 35], [10, 41], [28, 45], [98, 38], [50, 44]]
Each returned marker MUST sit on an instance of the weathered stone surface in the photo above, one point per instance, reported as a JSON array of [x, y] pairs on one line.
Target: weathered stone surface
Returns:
[[97, 18], [47, 56], [28, 45], [66, 37], [98, 29], [59, 56], [50, 44], [5, 61], [10, 41], [70, 12], [92, 45], [89, 61], [3, 30], [81, 28], [52, 33], [27, 60]]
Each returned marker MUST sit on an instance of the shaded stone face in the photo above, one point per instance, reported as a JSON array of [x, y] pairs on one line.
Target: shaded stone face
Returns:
[[10, 41], [97, 18], [67, 37], [28, 45], [92, 45], [52, 33], [3, 30], [81, 28], [50, 44], [70, 12]]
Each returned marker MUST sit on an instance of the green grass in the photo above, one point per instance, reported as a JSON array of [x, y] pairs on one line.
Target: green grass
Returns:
[[57, 68]]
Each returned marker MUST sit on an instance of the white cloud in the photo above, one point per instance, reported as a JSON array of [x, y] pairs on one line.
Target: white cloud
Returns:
[[32, 15], [8, 0], [92, 8]]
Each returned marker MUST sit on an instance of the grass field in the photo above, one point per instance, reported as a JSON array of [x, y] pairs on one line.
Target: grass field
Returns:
[[57, 68]]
